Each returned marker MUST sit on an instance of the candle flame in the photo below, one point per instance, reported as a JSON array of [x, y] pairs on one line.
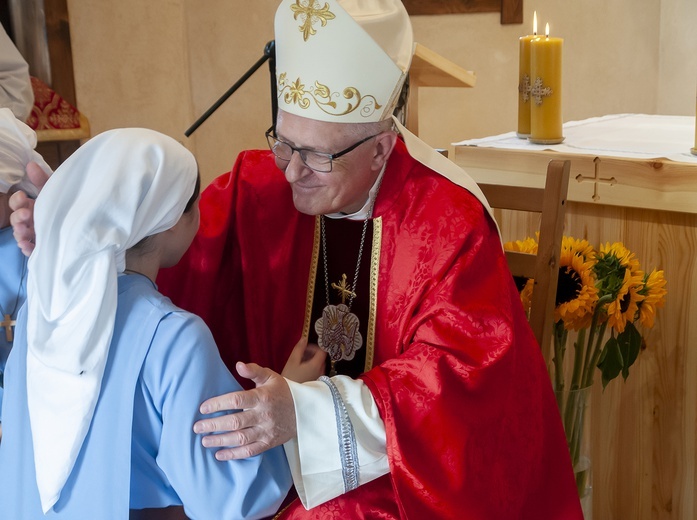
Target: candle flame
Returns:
[[547, 30], [534, 23]]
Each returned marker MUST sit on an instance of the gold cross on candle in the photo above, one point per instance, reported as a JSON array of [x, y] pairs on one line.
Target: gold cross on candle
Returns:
[[538, 91], [596, 179], [344, 290], [8, 323], [525, 88]]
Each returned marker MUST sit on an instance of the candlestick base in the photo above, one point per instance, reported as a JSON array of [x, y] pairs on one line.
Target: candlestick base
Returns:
[[522, 136], [545, 141], [694, 151]]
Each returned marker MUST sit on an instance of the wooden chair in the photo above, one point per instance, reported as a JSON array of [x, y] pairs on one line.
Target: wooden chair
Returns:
[[550, 202]]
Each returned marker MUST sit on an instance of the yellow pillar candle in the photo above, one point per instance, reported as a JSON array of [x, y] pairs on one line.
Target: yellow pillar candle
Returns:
[[545, 93], [524, 81]]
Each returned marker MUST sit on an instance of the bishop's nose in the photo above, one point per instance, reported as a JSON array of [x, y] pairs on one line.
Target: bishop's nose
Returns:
[[296, 169]]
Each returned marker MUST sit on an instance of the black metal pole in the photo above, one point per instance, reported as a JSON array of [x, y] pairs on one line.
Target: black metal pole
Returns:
[[268, 53], [270, 50]]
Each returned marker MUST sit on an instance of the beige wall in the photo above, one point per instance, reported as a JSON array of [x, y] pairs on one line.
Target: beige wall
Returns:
[[162, 63], [130, 63], [677, 75]]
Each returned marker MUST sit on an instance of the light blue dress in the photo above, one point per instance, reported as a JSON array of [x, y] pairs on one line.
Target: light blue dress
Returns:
[[162, 364], [13, 291]]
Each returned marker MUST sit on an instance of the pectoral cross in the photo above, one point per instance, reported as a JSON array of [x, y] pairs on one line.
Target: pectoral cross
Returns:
[[596, 179], [344, 290], [8, 323]]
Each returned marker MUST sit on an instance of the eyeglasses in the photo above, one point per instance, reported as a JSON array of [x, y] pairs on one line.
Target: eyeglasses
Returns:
[[317, 161]]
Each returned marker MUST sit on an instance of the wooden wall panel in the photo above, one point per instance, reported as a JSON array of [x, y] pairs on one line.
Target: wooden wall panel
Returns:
[[60, 50]]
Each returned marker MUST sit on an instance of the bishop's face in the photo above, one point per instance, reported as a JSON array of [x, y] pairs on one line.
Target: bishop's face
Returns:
[[345, 188]]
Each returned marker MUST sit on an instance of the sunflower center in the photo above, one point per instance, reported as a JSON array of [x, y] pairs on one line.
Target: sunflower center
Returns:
[[569, 286], [520, 282], [624, 304]]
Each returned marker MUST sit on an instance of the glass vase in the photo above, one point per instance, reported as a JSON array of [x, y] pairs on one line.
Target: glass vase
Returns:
[[574, 407]]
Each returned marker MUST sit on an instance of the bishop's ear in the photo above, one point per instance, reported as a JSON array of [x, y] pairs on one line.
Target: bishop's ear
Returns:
[[384, 144]]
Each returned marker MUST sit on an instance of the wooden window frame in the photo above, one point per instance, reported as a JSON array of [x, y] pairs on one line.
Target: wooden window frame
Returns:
[[511, 10]]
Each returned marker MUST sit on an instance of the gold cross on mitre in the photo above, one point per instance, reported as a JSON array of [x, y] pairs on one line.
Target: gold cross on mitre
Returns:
[[8, 323], [312, 13], [344, 290]]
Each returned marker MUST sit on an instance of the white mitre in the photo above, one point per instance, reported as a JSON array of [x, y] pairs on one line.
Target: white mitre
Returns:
[[345, 61], [342, 61]]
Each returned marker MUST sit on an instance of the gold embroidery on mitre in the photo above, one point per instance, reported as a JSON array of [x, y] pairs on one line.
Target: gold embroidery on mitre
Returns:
[[296, 93], [312, 13]]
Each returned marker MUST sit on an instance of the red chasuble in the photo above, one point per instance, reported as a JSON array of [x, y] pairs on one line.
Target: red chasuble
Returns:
[[472, 427]]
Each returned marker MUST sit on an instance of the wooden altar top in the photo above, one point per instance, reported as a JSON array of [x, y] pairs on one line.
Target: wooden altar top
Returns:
[[627, 160]]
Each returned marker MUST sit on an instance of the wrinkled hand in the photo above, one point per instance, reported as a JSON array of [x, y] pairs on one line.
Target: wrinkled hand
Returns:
[[22, 218], [267, 418], [305, 363]]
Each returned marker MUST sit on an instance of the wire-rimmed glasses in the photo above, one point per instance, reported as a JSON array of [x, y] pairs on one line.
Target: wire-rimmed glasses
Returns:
[[317, 161]]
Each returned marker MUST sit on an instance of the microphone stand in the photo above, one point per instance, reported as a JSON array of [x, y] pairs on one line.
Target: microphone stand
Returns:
[[270, 55]]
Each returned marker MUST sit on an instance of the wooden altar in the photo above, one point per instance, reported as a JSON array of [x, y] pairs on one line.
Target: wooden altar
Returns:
[[644, 441]]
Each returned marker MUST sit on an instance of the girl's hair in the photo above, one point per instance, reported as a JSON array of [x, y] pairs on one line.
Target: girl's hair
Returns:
[[142, 246], [197, 192]]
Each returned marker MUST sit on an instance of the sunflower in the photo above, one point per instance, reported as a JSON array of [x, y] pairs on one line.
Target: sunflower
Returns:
[[524, 285], [613, 259], [620, 277], [625, 306], [654, 294], [576, 291]]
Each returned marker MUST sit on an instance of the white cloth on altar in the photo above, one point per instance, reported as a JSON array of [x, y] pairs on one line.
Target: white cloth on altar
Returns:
[[635, 136]]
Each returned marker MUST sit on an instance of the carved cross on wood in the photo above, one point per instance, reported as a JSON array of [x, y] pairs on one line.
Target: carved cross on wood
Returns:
[[596, 179]]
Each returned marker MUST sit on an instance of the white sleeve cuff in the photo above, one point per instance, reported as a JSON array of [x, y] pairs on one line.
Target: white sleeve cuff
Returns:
[[316, 454]]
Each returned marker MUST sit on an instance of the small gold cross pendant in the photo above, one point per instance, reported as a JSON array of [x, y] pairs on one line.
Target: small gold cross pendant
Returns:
[[8, 323], [344, 290]]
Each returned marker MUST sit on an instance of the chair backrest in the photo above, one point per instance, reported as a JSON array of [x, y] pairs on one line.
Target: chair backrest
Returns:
[[550, 202]]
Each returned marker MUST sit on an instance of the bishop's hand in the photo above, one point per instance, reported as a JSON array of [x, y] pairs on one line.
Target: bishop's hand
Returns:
[[266, 419], [306, 362], [22, 218]]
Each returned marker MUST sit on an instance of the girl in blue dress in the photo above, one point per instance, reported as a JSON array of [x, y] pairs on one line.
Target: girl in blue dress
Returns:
[[106, 374]]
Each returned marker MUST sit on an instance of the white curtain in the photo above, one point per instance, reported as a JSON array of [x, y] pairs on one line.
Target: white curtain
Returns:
[[29, 27]]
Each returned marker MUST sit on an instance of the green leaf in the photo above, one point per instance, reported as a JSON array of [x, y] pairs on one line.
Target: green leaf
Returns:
[[630, 344], [612, 362]]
